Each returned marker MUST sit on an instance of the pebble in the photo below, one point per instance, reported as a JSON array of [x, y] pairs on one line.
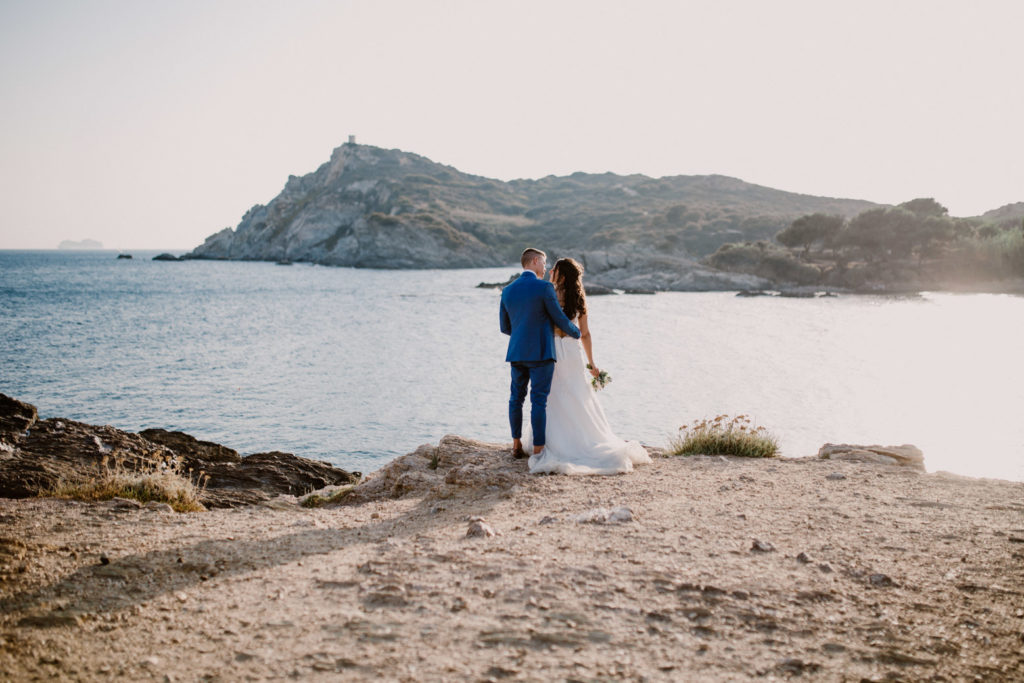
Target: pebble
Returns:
[[836, 476], [794, 666], [547, 519], [605, 516], [881, 580], [804, 558], [123, 504], [150, 661], [825, 567], [479, 528], [762, 546], [621, 514]]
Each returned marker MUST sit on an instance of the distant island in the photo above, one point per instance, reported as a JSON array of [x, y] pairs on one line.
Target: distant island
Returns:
[[376, 208], [80, 244]]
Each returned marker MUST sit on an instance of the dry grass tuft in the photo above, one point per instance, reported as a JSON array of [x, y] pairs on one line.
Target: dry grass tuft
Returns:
[[163, 482], [317, 501], [723, 435]]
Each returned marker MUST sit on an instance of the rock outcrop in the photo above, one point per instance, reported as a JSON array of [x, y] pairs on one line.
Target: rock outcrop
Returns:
[[15, 416], [35, 455], [436, 471], [906, 455], [243, 480], [456, 465], [643, 271]]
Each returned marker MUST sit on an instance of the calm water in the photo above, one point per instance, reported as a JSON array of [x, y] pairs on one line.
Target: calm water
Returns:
[[357, 366]]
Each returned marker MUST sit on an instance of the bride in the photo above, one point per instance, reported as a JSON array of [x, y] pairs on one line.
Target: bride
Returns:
[[579, 439]]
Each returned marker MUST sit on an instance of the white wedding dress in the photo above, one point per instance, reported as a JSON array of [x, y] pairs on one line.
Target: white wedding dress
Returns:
[[579, 439]]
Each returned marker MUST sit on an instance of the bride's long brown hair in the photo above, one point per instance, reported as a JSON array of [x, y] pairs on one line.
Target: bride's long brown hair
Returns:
[[574, 299]]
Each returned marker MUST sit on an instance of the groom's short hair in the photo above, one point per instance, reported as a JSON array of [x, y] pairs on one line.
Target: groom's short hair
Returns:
[[529, 254]]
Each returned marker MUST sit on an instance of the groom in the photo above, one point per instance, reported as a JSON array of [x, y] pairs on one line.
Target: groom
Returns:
[[529, 307]]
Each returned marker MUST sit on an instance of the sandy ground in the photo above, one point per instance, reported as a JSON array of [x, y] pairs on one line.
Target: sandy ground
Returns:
[[904, 576]]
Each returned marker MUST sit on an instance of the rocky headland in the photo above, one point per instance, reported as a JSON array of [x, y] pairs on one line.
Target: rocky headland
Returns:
[[453, 563], [370, 207], [379, 208]]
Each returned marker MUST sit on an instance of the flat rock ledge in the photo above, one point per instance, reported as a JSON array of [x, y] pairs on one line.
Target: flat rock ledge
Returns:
[[906, 455], [37, 454], [455, 466]]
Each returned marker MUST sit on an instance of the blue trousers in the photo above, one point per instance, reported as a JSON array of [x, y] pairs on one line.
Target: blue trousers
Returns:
[[536, 375]]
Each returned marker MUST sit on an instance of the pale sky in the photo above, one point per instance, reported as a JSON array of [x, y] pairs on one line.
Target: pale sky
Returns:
[[155, 124]]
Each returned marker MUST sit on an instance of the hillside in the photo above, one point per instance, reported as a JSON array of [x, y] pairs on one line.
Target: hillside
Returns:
[[913, 246], [1009, 215], [372, 207]]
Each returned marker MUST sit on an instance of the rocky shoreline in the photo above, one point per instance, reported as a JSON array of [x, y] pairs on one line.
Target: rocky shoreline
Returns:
[[453, 563], [36, 455]]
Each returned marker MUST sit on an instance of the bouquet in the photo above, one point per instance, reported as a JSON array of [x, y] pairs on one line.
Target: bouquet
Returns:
[[602, 379]]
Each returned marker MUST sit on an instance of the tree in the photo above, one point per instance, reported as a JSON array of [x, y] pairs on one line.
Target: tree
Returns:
[[897, 231], [987, 232], [925, 207], [807, 230], [869, 231]]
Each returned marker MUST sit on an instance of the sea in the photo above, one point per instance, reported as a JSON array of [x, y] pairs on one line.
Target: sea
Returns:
[[357, 366]]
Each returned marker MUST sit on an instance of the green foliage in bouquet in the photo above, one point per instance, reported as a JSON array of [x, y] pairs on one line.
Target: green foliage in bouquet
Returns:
[[602, 379]]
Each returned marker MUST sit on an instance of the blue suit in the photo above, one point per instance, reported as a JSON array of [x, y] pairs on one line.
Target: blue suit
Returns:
[[529, 312]]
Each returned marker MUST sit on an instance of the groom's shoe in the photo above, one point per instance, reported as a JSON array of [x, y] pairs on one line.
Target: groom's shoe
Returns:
[[519, 453]]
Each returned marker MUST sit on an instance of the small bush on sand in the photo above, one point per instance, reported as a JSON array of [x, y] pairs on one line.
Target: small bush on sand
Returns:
[[163, 482], [724, 436], [317, 501]]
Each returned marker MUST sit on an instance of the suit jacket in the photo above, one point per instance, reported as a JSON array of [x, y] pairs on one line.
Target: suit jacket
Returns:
[[529, 311]]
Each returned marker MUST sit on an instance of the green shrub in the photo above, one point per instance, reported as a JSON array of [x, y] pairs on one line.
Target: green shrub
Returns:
[[1002, 252], [764, 260], [725, 436]]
